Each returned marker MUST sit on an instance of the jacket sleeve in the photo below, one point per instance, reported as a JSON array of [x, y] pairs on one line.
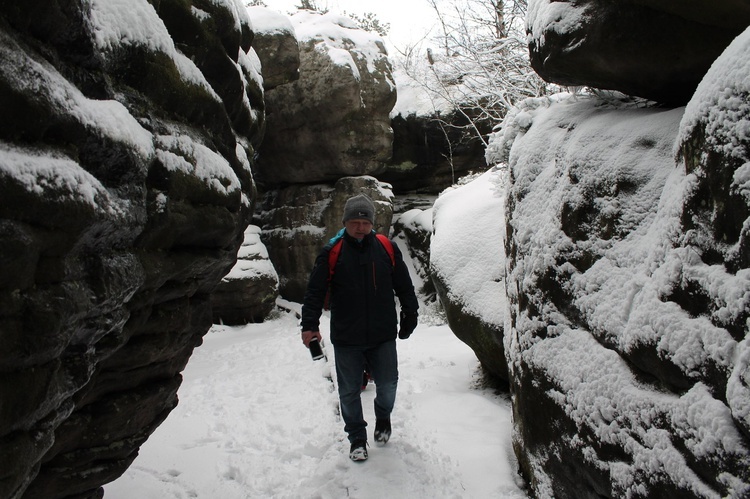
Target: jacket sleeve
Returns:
[[402, 284], [315, 295]]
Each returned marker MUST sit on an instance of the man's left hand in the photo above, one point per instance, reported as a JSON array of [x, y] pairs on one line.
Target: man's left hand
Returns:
[[408, 324]]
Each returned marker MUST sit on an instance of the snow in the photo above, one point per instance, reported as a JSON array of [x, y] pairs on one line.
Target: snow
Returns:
[[182, 153], [563, 152], [252, 258], [466, 249], [550, 15], [415, 95], [258, 418], [339, 37], [270, 22], [48, 173], [720, 102], [135, 22], [106, 118]]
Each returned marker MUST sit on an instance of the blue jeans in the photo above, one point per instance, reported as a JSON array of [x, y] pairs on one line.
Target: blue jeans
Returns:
[[350, 365]]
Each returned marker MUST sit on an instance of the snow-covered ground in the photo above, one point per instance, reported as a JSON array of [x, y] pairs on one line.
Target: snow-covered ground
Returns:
[[258, 418]]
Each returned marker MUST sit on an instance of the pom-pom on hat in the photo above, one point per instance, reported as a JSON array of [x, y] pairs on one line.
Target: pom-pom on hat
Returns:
[[359, 206]]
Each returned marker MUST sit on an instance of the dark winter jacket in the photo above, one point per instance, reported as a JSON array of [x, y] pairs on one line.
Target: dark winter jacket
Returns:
[[362, 302]]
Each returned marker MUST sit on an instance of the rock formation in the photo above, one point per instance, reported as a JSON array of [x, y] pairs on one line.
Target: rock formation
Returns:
[[628, 283], [326, 132], [125, 188], [655, 49], [467, 266], [430, 153], [276, 45], [248, 292], [333, 121]]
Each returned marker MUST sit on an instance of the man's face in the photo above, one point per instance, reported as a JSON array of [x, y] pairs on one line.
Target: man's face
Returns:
[[358, 227]]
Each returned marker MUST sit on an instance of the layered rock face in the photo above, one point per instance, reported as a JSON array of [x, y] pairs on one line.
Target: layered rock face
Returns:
[[333, 121], [656, 49], [125, 189], [628, 285]]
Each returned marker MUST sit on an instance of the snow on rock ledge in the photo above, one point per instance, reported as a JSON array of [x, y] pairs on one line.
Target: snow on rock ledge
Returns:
[[629, 292]]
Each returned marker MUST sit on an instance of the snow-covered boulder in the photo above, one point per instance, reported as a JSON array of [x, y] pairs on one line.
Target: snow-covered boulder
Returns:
[[298, 220], [248, 292], [649, 48], [628, 284], [125, 188], [467, 265], [276, 44], [333, 121]]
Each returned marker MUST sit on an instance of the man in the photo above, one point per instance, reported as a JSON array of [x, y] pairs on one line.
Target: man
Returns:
[[363, 318]]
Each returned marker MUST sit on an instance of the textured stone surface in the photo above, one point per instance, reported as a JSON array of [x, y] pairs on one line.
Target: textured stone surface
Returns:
[[248, 292], [276, 46], [125, 187], [657, 49], [628, 326], [298, 220], [333, 121], [431, 155]]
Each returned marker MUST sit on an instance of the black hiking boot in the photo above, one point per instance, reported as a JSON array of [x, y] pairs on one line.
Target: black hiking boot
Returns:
[[382, 430], [358, 450]]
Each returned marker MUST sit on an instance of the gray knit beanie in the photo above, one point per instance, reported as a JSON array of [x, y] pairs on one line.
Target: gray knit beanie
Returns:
[[359, 206]]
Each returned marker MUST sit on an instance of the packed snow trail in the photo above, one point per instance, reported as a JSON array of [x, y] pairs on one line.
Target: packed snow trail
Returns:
[[258, 419]]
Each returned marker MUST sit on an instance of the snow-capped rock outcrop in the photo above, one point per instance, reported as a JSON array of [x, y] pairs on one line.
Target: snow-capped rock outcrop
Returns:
[[650, 48], [125, 187], [628, 284], [334, 120], [248, 292]]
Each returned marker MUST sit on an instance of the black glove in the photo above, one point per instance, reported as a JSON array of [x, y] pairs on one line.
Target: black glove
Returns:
[[408, 323]]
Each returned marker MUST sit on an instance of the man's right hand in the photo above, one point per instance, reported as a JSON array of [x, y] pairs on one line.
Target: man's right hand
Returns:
[[307, 337]]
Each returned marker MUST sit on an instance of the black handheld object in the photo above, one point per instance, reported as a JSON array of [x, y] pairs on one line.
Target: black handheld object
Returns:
[[408, 324], [315, 349]]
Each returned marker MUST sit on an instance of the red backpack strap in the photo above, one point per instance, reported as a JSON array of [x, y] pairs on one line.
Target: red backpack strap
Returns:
[[388, 247], [333, 257]]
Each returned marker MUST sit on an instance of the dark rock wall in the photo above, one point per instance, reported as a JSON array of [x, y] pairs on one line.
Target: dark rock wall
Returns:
[[430, 153], [125, 188], [655, 49]]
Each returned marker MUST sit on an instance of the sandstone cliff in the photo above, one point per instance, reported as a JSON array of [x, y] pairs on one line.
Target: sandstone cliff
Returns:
[[125, 187]]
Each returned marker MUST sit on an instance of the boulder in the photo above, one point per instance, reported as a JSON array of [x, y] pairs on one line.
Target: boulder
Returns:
[[627, 280], [467, 266], [333, 121], [125, 188], [276, 45], [298, 220], [656, 49], [248, 292]]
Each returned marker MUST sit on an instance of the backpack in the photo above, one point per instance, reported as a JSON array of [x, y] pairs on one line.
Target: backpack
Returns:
[[333, 257]]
